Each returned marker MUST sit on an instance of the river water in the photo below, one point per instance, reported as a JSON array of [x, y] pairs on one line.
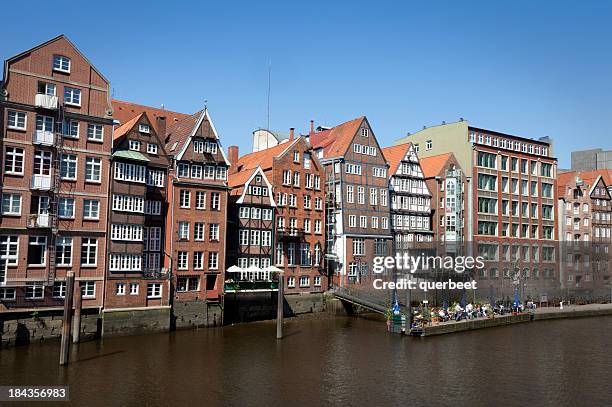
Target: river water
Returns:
[[343, 361]]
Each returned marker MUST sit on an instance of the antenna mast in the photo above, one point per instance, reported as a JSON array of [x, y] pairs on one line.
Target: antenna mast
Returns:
[[269, 81]]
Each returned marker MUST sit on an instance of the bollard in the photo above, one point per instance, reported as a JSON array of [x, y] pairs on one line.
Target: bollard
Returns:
[[76, 320], [65, 344]]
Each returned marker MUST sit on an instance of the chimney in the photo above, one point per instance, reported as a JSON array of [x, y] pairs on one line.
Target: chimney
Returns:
[[312, 126], [232, 154], [291, 133], [161, 126]]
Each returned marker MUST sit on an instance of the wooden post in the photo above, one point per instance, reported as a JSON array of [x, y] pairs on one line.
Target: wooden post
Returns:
[[76, 320], [279, 308], [65, 345]]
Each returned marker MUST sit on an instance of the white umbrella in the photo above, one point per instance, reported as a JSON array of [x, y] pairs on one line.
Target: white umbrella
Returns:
[[234, 269], [273, 269]]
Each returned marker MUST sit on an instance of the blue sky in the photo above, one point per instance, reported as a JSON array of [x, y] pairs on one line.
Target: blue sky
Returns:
[[524, 67]]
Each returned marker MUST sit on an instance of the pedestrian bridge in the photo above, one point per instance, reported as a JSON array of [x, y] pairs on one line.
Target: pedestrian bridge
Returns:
[[367, 300]]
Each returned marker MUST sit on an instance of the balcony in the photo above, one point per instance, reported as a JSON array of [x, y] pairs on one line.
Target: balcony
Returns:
[[42, 137], [41, 182], [38, 221], [237, 286], [45, 101], [290, 232]]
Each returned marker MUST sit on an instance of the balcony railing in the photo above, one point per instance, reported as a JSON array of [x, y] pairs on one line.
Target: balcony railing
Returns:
[[290, 232], [231, 286], [46, 138], [41, 182], [38, 221], [45, 101]]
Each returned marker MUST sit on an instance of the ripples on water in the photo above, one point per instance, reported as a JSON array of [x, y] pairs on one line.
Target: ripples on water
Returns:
[[344, 361]]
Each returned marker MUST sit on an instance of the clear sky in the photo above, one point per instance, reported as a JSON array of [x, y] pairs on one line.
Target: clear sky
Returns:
[[530, 68]]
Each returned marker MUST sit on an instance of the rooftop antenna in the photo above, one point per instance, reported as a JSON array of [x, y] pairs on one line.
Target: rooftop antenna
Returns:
[[205, 104], [269, 82]]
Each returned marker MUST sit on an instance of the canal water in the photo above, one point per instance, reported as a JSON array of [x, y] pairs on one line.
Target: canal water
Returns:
[[340, 362]]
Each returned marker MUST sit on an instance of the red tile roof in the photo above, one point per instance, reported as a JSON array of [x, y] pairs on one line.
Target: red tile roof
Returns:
[[179, 132], [124, 111], [262, 158], [126, 127], [433, 166], [565, 179], [336, 140], [394, 155], [237, 180]]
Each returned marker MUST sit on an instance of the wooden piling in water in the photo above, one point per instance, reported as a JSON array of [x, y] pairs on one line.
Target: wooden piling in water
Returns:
[[65, 344]]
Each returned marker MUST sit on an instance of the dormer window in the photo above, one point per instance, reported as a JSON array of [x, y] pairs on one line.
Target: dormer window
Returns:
[[61, 63], [134, 145], [143, 128]]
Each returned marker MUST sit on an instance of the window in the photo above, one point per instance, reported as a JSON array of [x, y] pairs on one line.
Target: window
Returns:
[[213, 231], [70, 129], [296, 179], [361, 195], [198, 231], [120, 289], [9, 249], [296, 156], [184, 284], [213, 261], [59, 289], [216, 201], [89, 251], [291, 254], [200, 200], [93, 170], [185, 198], [291, 282], [317, 226], [42, 162], [379, 172], [352, 221], [154, 290], [134, 288], [37, 250], [304, 281], [144, 128], [61, 63], [16, 120], [428, 145], [183, 260], [95, 132], [373, 196], [152, 148], [65, 208], [72, 96], [358, 247], [68, 167], [134, 145], [486, 160], [350, 194], [279, 254], [13, 160], [11, 204], [183, 233], [198, 260], [91, 209], [155, 178], [88, 289], [44, 123], [45, 88], [130, 172], [35, 290], [63, 251]]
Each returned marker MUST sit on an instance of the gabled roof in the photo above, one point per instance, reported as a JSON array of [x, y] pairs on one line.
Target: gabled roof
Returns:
[[261, 158], [61, 36], [126, 127], [394, 155], [178, 134], [433, 166], [124, 111], [336, 141], [590, 178]]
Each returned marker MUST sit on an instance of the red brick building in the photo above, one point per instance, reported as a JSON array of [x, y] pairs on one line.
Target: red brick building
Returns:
[[138, 210], [357, 204], [585, 225], [55, 116], [198, 195], [296, 176]]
